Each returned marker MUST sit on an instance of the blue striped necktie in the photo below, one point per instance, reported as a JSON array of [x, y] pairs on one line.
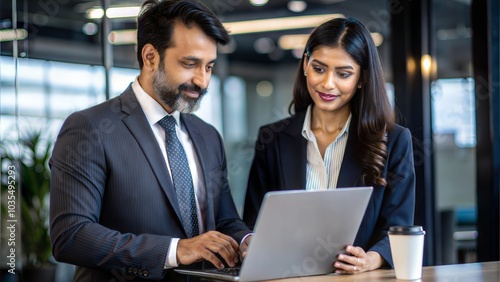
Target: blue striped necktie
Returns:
[[181, 176]]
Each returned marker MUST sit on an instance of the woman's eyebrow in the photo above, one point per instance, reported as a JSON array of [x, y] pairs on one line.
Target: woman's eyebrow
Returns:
[[344, 67], [337, 68]]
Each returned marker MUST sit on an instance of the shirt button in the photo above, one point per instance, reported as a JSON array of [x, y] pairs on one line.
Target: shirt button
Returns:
[[145, 273]]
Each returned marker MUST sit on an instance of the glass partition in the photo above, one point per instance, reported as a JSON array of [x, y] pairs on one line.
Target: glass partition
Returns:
[[454, 131]]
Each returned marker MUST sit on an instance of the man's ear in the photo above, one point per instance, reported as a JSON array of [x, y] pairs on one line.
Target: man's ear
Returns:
[[150, 57]]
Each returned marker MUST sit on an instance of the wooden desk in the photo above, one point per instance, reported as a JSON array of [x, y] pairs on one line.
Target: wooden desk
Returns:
[[470, 272]]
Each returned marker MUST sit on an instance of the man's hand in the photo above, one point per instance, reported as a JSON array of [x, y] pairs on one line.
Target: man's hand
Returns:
[[205, 246], [244, 247]]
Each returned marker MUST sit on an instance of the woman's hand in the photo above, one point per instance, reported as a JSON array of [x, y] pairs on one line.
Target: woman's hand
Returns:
[[357, 261]]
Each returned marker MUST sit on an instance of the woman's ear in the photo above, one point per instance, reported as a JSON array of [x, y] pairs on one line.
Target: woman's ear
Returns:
[[150, 57]]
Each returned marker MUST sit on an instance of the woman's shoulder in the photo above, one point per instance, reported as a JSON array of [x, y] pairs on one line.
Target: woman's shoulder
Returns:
[[289, 125], [399, 134], [398, 129]]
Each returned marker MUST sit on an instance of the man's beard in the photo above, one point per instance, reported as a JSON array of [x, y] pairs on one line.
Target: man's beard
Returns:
[[174, 97]]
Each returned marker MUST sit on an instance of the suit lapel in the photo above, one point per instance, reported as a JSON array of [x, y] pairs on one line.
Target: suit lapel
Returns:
[[138, 125], [203, 157], [351, 170], [293, 153]]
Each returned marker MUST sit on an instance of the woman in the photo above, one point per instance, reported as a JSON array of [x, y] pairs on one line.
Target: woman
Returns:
[[342, 134]]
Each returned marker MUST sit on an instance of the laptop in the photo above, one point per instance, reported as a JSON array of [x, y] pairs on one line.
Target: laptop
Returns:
[[298, 233]]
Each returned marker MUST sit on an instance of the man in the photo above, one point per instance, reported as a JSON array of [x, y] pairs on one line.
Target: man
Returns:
[[124, 205]]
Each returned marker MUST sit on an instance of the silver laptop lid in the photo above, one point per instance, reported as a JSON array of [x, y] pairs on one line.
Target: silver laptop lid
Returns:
[[300, 233]]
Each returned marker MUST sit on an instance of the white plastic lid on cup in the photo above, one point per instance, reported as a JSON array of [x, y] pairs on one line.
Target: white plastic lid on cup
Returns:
[[406, 230]]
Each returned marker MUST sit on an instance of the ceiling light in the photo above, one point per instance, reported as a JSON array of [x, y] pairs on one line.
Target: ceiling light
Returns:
[[243, 27], [297, 6], [95, 13], [298, 41], [258, 2], [264, 88], [115, 12], [264, 45], [121, 37], [275, 24], [378, 39], [293, 41], [13, 34], [426, 64], [123, 12], [90, 28]]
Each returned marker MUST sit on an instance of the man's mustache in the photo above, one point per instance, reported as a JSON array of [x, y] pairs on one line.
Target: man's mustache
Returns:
[[192, 88]]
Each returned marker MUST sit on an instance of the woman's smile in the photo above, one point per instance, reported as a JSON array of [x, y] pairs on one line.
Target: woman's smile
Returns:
[[327, 97]]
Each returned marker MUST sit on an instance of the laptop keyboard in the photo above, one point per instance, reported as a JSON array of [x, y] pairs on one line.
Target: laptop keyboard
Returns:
[[234, 271]]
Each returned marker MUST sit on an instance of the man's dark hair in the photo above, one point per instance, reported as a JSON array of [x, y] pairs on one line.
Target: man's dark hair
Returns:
[[157, 19]]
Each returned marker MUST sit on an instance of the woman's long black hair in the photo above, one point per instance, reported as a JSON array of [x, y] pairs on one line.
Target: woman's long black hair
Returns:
[[372, 114]]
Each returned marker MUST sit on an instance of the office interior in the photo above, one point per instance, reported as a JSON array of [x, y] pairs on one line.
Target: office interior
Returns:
[[440, 58]]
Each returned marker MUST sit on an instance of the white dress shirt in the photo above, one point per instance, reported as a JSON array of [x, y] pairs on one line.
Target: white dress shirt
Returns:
[[323, 174], [155, 112]]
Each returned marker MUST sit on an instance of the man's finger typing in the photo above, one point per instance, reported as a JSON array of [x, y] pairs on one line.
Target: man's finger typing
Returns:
[[211, 246]]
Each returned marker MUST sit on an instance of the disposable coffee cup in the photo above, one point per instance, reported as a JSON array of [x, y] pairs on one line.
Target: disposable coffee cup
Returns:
[[407, 249]]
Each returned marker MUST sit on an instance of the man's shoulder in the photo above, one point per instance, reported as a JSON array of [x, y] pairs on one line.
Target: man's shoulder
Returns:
[[112, 107]]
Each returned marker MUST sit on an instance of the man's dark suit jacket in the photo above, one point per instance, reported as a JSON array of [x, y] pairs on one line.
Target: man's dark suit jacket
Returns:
[[113, 208], [280, 164]]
